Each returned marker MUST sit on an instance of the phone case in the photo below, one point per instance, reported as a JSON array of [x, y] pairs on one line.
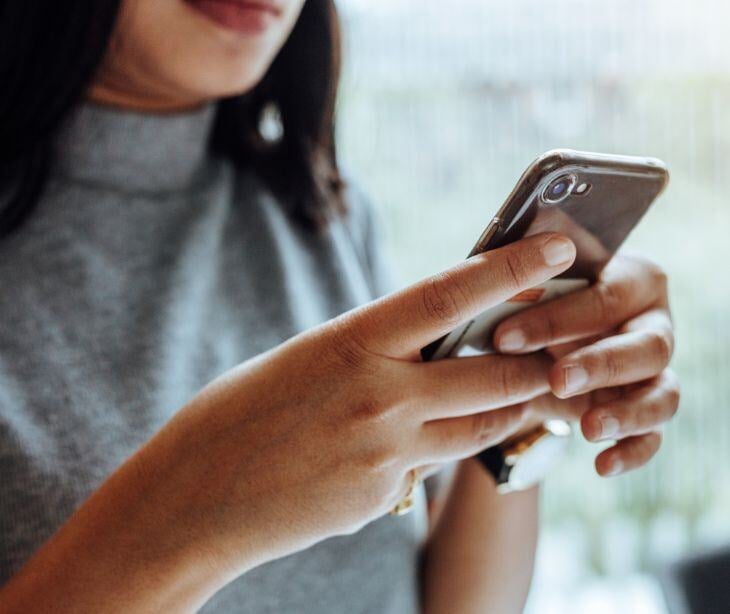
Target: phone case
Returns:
[[620, 191]]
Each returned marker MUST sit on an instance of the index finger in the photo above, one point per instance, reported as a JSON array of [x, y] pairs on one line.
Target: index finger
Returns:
[[620, 294], [400, 324]]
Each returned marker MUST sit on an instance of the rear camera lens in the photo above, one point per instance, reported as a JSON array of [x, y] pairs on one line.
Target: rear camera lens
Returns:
[[559, 189]]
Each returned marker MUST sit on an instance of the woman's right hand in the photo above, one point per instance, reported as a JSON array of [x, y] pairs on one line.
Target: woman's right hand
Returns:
[[315, 438]]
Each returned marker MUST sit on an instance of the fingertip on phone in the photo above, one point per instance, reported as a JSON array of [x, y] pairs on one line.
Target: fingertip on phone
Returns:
[[558, 250], [512, 340]]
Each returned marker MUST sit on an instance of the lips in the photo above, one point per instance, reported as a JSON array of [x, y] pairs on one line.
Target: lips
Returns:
[[244, 16]]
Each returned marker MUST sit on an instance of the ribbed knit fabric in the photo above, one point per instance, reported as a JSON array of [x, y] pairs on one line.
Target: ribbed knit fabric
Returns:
[[148, 268]]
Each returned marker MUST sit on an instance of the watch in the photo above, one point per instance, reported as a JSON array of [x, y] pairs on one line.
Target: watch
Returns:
[[521, 463]]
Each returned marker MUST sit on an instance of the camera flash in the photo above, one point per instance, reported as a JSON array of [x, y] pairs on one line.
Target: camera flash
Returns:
[[582, 188]]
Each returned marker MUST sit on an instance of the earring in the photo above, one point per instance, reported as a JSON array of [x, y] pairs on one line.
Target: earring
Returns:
[[271, 127]]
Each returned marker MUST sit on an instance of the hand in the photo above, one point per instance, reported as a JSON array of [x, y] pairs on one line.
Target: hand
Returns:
[[613, 342], [315, 438], [310, 440]]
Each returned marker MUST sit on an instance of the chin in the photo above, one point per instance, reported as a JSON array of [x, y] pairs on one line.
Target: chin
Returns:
[[172, 56], [221, 80]]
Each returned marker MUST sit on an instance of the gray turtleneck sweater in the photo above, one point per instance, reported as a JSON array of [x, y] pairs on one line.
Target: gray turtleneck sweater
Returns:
[[148, 268]]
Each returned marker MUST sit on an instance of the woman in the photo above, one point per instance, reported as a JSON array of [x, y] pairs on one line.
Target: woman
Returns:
[[195, 393]]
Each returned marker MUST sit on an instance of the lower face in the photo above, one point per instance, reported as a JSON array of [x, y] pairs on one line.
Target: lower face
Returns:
[[248, 18], [189, 51]]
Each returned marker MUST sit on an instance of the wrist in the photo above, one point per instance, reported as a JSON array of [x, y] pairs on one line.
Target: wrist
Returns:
[[523, 460]]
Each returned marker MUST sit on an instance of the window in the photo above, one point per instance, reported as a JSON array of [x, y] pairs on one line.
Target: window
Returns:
[[445, 104]]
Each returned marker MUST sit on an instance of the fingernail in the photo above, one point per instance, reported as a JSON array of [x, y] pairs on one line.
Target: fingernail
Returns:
[[609, 427], [558, 251], [575, 379], [512, 341], [616, 467]]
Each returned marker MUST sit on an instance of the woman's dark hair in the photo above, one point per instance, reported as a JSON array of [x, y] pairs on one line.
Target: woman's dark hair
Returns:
[[51, 51]]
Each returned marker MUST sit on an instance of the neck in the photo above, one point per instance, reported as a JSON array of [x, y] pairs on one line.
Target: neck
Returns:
[[132, 151], [107, 95]]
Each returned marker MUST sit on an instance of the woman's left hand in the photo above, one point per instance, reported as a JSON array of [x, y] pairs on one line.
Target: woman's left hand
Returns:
[[613, 342]]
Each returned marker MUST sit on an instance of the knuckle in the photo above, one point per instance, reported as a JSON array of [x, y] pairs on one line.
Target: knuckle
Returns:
[[608, 299], [656, 273], [673, 407], [673, 392], [551, 326], [379, 458], [491, 426], [516, 270], [651, 415], [650, 444], [445, 298], [661, 346], [605, 365], [612, 367], [348, 347], [508, 380], [370, 409], [484, 426]]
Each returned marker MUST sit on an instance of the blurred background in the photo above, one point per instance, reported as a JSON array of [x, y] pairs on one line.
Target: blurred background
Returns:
[[445, 104]]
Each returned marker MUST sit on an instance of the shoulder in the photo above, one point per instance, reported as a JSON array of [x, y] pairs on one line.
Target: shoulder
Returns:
[[367, 232], [360, 214]]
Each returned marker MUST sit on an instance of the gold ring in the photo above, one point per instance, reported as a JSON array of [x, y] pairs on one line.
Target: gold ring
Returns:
[[405, 505]]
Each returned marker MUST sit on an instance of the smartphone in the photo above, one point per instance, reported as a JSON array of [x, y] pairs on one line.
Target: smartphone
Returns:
[[595, 199]]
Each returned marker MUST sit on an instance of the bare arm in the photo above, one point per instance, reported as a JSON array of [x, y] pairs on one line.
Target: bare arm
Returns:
[[480, 555], [132, 547]]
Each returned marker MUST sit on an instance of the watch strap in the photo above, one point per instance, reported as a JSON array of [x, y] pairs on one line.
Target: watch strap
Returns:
[[492, 459]]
